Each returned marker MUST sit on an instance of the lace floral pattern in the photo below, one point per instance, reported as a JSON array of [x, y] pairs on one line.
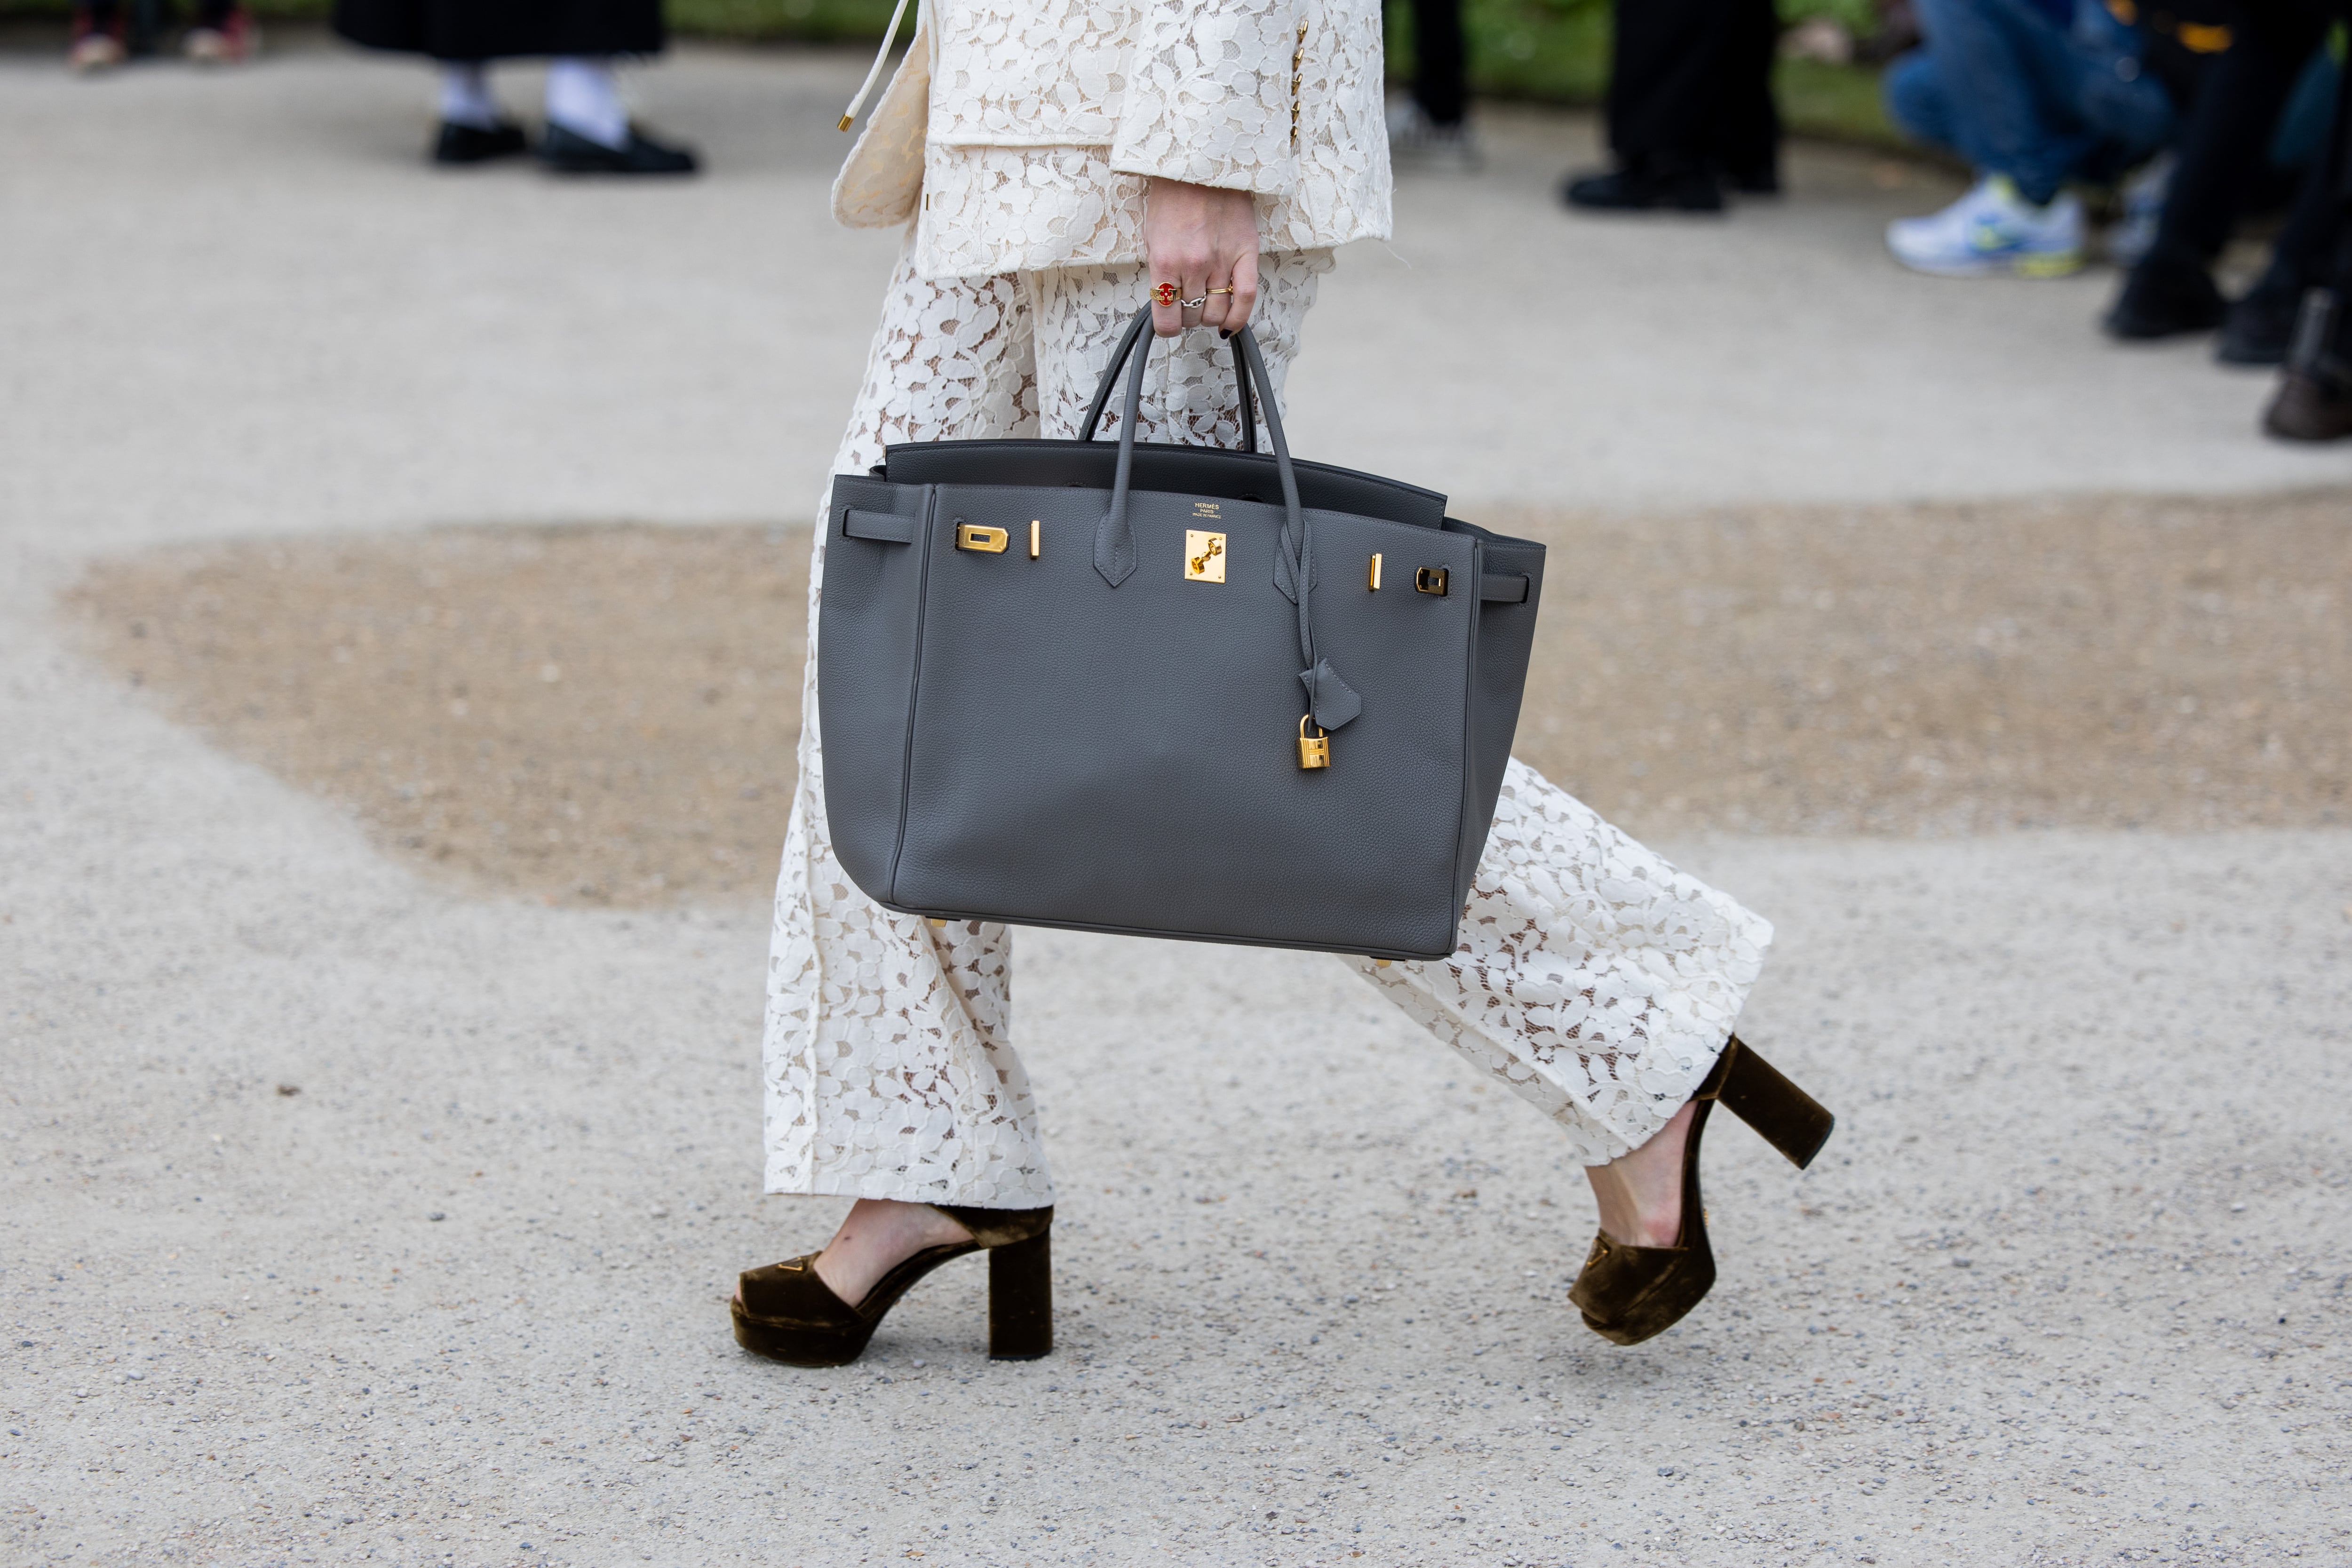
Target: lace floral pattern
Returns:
[[1593, 979], [1024, 169]]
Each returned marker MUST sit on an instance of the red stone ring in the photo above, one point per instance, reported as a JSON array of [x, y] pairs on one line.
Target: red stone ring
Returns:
[[1163, 293]]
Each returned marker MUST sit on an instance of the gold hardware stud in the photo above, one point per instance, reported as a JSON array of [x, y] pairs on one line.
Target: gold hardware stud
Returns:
[[1033, 526], [1372, 578], [1429, 580], [989, 541], [1204, 556], [1314, 750]]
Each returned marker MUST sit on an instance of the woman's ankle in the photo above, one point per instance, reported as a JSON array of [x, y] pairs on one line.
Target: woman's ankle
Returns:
[[877, 1235], [1639, 1194]]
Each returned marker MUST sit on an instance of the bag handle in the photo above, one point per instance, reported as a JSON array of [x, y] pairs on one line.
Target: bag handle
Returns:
[[1331, 702], [1119, 357]]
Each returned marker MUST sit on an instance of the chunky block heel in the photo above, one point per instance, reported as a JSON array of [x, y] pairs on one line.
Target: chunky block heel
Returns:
[[1628, 1294], [1021, 1299], [786, 1312], [1788, 1118]]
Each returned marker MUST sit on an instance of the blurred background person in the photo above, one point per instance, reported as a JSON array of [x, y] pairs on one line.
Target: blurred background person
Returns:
[[2034, 94], [1432, 125], [2258, 326], [1690, 107], [2226, 147], [2314, 402], [588, 129], [222, 33]]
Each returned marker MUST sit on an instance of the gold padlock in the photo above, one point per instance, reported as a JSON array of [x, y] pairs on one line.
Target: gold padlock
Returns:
[[1314, 750]]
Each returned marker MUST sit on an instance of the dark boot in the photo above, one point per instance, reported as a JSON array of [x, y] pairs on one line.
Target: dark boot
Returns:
[[1649, 184], [2169, 294], [2314, 396], [2260, 327]]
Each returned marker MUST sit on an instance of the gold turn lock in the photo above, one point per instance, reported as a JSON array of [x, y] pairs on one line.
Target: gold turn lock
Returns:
[[1314, 750], [1204, 556], [973, 536], [1429, 580]]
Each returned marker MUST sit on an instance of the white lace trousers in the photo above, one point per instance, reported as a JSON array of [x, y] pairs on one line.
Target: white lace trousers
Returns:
[[1593, 979]]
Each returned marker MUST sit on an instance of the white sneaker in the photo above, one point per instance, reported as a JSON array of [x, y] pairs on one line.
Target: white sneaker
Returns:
[[1992, 230]]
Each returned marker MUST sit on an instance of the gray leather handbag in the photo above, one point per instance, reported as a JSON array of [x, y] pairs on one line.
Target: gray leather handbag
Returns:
[[1065, 683]]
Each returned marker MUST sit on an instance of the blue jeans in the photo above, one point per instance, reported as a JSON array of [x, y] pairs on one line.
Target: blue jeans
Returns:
[[2007, 87]]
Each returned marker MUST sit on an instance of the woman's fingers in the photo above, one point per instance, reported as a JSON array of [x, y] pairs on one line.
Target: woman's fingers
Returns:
[[1196, 238], [1243, 301], [1167, 318], [1179, 266]]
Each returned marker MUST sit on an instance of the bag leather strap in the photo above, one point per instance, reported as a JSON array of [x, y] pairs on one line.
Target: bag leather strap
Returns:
[[1331, 702], [1119, 357], [887, 527], [1502, 588]]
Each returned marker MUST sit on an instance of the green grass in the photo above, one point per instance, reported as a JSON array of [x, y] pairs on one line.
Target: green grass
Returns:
[[1540, 51]]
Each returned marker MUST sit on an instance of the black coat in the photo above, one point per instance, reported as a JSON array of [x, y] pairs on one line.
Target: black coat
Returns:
[[494, 29]]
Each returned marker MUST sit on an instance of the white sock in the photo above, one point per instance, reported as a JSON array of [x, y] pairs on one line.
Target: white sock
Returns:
[[466, 95], [583, 97]]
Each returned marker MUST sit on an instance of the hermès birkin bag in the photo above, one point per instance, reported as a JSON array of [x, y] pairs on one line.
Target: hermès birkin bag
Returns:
[[1167, 691]]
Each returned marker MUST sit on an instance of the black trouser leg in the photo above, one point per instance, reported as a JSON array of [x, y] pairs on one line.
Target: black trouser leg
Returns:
[[2313, 401], [2330, 246], [2229, 130], [2299, 256], [1691, 81], [1440, 82], [1748, 129]]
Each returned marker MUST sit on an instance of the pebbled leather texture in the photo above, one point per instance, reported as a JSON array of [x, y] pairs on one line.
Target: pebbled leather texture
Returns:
[[1040, 743]]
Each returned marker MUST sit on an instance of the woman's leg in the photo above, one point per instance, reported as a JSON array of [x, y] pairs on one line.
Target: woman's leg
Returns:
[[1594, 981], [889, 1072]]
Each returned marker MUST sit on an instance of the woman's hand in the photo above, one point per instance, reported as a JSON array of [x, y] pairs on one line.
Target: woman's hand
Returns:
[[1201, 238]]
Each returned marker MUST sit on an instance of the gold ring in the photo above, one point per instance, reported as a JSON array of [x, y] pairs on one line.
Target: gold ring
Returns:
[[1220, 290]]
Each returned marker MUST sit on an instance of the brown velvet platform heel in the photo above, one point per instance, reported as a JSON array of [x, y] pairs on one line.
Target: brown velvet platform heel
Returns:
[[789, 1313], [1629, 1293]]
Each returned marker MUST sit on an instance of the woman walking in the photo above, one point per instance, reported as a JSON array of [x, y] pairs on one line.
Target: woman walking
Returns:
[[1056, 167]]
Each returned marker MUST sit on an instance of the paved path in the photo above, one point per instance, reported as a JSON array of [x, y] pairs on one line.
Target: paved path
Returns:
[[2070, 1287]]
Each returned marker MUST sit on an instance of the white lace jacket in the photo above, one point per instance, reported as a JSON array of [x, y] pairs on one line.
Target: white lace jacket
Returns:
[[1020, 131]]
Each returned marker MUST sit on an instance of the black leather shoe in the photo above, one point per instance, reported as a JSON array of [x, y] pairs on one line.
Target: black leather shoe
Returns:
[[1651, 186], [2309, 409], [456, 144], [2259, 327], [568, 152], [2165, 297]]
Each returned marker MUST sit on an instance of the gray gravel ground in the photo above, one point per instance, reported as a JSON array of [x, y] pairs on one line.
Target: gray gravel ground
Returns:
[[2069, 1285]]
